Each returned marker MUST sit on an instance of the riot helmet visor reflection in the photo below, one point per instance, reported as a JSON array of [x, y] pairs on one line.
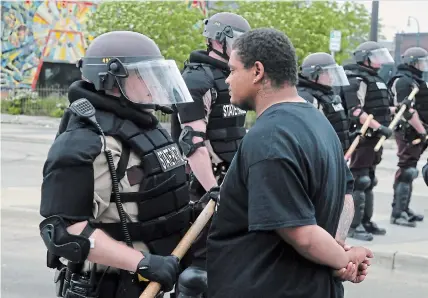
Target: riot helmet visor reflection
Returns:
[[422, 63], [330, 75], [380, 56]]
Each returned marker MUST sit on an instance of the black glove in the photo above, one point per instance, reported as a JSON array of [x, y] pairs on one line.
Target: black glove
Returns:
[[163, 270], [354, 134], [423, 137], [213, 193], [406, 102], [384, 131]]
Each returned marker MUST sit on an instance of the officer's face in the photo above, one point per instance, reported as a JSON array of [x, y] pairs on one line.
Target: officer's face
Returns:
[[242, 88], [325, 79], [136, 90]]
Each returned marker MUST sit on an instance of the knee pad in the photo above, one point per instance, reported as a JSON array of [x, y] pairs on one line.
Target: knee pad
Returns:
[[408, 175], [373, 183], [362, 183], [192, 282]]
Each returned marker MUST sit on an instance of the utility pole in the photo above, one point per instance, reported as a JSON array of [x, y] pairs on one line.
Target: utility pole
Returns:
[[374, 21]]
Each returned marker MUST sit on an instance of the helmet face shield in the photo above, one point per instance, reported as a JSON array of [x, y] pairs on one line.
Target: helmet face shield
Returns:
[[380, 56], [422, 63], [154, 82], [330, 75]]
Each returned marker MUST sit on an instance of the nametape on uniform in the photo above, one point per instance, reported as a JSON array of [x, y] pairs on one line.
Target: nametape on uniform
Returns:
[[381, 85], [169, 157], [230, 111]]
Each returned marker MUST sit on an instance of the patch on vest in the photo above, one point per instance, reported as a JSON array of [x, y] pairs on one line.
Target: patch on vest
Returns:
[[381, 85], [230, 111], [169, 157], [337, 107]]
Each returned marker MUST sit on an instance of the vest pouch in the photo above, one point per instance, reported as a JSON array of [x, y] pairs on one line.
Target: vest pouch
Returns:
[[128, 286]]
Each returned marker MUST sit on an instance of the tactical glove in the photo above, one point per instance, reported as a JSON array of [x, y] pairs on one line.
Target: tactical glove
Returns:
[[213, 193], [384, 131], [163, 270], [409, 104], [423, 137]]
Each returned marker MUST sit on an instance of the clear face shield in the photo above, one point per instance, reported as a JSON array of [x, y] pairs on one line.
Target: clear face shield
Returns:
[[331, 75], [380, 57], [422, 64], [157, 82], [221, 32], [231, 39]]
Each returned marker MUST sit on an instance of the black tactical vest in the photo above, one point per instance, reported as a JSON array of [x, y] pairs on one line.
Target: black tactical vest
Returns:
[[163, 198], [226, 123], [421, 98], [334, 112], [377, 100]]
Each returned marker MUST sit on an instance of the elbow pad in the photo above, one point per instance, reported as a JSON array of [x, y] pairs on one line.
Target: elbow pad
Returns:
[[59, 242], [186, 140]]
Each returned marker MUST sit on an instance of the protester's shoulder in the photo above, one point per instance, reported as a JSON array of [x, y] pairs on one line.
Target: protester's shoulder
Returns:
[[276, 134]]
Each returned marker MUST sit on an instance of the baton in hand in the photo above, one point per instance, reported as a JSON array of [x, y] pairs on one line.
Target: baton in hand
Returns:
[[357, 139], [396, 118], [183, 246]]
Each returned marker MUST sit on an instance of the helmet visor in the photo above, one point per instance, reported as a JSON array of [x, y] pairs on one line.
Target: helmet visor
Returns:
[[333, 75], [155, 82], [231, 38], [422, 64], [381, 56]]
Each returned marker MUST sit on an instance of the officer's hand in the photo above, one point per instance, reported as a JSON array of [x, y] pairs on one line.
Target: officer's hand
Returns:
[[423, 137], [384, 131], [164, 270], [213, 193], [354, 134], [406, 102]]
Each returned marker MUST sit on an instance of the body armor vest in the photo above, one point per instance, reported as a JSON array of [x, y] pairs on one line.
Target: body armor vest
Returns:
[[163, 199], [333, 110], [377, 100], [421, 98], [226, 123]]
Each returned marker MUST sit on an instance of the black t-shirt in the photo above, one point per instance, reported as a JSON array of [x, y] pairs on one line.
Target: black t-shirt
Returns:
[[289, 171]]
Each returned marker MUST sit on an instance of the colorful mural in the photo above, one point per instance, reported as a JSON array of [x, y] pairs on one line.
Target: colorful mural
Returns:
[[37, 31]]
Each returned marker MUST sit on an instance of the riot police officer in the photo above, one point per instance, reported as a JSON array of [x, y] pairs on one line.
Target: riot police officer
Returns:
[[212, 127], [409, 73], [113, 175], [319, 74], [367, 94]]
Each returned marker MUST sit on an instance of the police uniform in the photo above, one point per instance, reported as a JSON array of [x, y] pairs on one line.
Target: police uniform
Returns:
[[367, 91], [401, 86], [119, 169], [205, 78], [325, 100]]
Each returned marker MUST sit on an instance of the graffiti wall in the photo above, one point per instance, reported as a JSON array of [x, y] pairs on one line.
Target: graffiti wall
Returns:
[[36, 31]]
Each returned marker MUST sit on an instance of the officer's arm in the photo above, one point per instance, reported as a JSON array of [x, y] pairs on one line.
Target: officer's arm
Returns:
[[401, 89], [359, 110], [192, 117]]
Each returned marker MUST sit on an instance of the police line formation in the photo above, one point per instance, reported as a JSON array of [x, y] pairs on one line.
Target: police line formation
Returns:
[[119, 192]]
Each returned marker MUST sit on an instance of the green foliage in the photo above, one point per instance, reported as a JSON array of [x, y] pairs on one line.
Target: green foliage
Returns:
[[175, 28], [52, 107], [309, 27]]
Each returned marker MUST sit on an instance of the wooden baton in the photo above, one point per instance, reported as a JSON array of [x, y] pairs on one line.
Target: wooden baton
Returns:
[[183, 246], [396, 118], [357, 139]]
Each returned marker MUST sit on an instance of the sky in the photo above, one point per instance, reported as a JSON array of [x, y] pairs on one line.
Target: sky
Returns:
[[394, 14]]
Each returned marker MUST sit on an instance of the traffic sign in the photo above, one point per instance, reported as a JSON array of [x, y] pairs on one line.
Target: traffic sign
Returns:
[[335, 40]]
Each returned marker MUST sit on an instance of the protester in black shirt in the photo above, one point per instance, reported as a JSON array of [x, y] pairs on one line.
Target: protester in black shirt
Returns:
[[273, 232]]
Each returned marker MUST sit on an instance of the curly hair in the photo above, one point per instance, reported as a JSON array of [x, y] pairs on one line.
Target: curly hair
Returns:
[[274, 50]]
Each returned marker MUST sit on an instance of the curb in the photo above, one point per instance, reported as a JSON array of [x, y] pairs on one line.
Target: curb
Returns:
[[400, 261]]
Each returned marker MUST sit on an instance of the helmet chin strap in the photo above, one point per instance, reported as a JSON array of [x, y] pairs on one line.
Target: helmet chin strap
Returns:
[[223, 55]]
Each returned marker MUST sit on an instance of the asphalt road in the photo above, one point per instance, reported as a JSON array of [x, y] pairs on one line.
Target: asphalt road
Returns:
[[24, 273]]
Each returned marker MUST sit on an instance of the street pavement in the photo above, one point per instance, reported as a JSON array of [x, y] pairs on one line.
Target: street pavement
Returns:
[[24, 145]]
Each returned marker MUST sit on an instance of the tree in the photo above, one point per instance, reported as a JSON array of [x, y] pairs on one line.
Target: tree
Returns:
[[309, 26], [175, 28]]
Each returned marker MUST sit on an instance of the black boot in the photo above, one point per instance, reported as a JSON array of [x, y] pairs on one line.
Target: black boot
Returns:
[[356, 230], [401, 197], [369, 225], [412, 215]]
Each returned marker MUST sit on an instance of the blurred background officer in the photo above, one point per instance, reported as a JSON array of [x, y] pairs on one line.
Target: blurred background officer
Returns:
[[409, 72], [319, 73], [212, 128], [116, 177], [367, 94]]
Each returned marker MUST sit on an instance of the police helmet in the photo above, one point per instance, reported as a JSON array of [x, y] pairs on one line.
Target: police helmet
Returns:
[[132, 64], [225, 27], [416, 57], [323, 69], [373, 53]]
